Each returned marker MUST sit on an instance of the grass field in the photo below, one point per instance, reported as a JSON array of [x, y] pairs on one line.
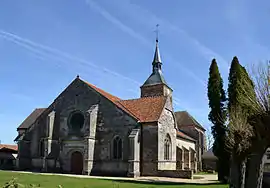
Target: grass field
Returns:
[[51, 181]]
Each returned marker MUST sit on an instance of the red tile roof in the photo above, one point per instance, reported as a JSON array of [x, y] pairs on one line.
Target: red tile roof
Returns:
[[146, 109], [7, 146]]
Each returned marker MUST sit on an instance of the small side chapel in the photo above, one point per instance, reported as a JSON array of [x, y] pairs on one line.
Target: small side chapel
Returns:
[[89, 131]]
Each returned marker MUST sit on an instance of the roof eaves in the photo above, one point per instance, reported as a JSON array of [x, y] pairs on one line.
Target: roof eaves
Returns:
[[188, 139]]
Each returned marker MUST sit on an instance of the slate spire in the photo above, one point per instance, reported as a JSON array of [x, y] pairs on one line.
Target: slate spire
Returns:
[[156, 77], [157, 60], [155, 85]]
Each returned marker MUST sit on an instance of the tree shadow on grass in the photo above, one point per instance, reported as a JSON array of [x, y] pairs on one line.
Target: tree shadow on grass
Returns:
[[159, 182]]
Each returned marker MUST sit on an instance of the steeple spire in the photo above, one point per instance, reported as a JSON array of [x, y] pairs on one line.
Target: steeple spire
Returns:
[[155, 85], [157, 60]]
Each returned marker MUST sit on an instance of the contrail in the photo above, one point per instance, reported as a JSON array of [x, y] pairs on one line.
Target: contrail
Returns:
[[38, 53], [117, 22], [63, 54], [48, 52], [108, 16]]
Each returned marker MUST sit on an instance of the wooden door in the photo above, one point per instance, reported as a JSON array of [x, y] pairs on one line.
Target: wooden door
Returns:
[[76, 163]]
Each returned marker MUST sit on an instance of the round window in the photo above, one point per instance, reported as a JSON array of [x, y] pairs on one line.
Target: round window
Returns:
[[76, 121]]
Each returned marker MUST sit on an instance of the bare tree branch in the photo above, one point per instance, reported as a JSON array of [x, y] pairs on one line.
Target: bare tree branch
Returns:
[[209, 138], [240, 132], [259, 105]]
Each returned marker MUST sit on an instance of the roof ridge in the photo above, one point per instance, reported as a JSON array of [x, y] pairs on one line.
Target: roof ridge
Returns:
[[142, 98], [193, 119], [8, 145], [182, 111]]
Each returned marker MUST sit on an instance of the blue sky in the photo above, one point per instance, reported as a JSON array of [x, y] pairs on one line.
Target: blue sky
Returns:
[[45, 44]]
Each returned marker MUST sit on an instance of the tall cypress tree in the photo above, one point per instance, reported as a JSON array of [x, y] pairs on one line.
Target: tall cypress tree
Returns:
[[217, 115], [241, 90], [234, 83], [240, 85]]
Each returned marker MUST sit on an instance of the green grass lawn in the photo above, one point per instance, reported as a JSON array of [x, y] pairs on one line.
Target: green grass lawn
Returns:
[[51, 181]]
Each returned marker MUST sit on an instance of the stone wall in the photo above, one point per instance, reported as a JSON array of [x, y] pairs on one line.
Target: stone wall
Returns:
[[112, 121], [196, 134], [149, 149], [155, 90], [167, 126], [37, 163], [152, 90], [187, 174]]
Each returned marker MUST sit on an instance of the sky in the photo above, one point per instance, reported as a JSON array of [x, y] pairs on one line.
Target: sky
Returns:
[[45, 44]]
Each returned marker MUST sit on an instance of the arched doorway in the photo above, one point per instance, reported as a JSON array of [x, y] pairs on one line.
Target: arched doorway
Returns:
[[76, 163]]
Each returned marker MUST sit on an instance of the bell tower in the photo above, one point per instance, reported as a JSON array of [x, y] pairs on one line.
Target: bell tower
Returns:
[[156, 85]]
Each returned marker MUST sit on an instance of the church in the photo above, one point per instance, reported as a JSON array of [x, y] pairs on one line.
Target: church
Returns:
[[86, 130]]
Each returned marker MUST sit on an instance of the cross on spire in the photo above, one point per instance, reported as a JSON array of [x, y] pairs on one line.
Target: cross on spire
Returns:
[[157, 60], [156, 31]]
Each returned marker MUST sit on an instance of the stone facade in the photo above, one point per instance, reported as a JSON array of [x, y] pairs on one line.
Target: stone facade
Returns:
[[89, 131], [188, 125], [103, 121], [199, 136], [155, 90], [167, 128]]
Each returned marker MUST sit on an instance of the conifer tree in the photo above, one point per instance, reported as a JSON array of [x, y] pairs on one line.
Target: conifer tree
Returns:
[[240, 130], [217, 115]]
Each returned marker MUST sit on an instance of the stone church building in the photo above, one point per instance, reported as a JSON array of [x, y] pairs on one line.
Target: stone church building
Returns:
[[89, 131]]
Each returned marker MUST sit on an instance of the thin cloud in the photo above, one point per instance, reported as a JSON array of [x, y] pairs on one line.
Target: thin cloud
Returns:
[[34, 51], [205, 51], [117, 22], [139, 14], [108, 16], [42, 51], [45, 50]]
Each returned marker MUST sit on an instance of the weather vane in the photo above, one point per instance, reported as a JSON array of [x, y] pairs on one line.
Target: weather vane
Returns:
[[156, 31]]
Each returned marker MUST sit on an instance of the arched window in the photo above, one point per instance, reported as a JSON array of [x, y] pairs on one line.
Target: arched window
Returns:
[[167, 148], [117, 147]]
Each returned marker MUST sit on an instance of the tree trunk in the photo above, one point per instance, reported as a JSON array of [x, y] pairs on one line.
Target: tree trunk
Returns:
[[238, 172], [221, 175], [260, 178], [243, 173], [234, 173], [223, 170], [255, 170]]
